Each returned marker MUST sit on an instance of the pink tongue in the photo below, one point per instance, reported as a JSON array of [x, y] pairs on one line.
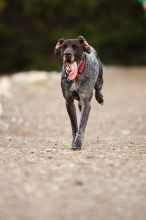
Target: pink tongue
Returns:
[[72, 70]]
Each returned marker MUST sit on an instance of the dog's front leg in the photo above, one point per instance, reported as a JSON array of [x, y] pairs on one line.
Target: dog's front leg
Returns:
[[70, 106], [85, 110]]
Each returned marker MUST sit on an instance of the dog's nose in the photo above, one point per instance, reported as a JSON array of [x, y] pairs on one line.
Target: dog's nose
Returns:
[[67, 54]]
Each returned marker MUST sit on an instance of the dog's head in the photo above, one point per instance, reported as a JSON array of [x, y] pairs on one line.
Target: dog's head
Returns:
[[72, 50]]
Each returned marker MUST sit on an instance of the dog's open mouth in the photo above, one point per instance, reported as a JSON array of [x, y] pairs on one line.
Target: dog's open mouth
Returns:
[[71, 69]]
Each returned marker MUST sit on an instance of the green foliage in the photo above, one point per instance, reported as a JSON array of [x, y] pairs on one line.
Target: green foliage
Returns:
[[29, 30], [2, 5]]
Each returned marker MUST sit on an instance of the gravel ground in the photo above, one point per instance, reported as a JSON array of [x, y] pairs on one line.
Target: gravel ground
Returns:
[[42, 179]]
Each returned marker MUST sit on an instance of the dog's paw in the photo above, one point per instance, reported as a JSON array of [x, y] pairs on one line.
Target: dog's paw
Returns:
[[76, 147], [77, 144]]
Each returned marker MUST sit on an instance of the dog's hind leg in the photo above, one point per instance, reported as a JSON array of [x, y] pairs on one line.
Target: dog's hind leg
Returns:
[[99, 96], [98, 85], [70, 106]]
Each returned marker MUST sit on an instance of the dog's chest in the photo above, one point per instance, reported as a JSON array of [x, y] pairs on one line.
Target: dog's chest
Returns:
[[74, 86]]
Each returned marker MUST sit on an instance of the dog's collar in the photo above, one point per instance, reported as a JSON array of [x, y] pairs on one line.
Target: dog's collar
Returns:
[[81, 67]]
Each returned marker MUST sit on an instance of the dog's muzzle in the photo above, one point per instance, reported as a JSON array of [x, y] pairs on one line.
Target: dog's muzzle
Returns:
[[68, 57]]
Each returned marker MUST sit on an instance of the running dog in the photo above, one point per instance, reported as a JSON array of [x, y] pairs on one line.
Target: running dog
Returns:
[[82, 72]]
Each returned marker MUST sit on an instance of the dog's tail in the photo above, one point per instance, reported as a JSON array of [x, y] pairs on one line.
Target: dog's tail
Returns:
[[98, 85]]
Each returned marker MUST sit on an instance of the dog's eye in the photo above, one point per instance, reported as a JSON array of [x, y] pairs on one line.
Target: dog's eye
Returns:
[[74, 46], [64, 46]]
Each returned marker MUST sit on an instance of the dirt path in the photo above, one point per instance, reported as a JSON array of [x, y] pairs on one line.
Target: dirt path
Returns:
[[42, 179]]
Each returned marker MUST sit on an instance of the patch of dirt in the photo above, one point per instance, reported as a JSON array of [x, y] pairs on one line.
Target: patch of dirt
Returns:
[[41, 178]]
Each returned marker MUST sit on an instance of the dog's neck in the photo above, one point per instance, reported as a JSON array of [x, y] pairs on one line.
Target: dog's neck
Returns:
[[81, 66], [81, 61]]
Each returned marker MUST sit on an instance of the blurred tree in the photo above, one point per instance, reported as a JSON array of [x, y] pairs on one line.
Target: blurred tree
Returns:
[[29, 30], [2, 4], [143, 2]]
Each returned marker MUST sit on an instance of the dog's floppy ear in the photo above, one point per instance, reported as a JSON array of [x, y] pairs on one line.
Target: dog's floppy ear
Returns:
[[58, 46], [85, 44]]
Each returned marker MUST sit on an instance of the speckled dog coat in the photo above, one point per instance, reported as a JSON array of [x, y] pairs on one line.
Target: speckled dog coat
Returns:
[[77, 54]]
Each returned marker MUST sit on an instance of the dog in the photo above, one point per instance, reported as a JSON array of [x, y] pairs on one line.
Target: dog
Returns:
[[82, 72]]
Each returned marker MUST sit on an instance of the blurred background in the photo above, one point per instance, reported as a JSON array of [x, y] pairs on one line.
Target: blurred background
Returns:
[[38, 171], [29, 29]]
